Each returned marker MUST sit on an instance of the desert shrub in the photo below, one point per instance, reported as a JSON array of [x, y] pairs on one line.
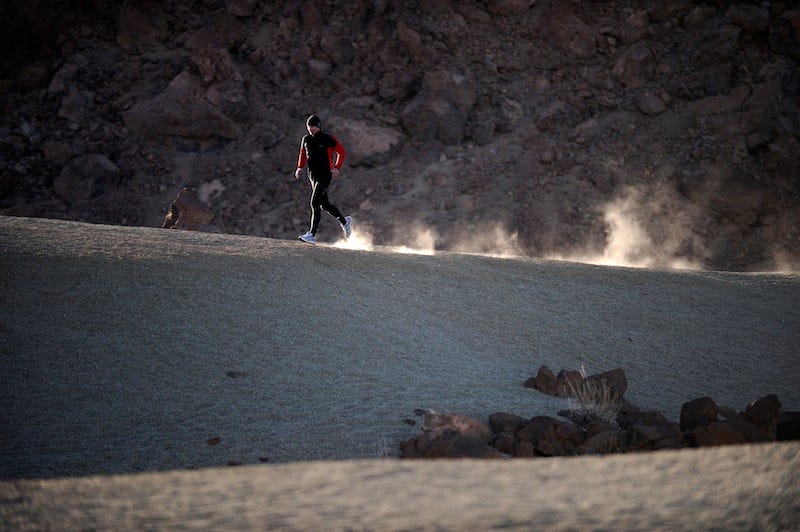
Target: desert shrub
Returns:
[[593, 400]]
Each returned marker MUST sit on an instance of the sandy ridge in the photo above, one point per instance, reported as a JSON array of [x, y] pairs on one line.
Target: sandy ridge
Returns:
[[734, 488]]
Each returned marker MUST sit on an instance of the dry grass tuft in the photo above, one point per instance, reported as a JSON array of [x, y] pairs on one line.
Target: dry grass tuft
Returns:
[[593, 400]]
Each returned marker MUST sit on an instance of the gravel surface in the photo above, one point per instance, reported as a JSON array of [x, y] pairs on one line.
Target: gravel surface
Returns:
[[135, 349]]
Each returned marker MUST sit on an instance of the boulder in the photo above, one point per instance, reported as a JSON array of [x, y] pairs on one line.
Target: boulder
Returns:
[[446, 444], [650, 103], [583, 43], [545, 381], [425, 120], [434, 422], [74, 105], [633, 28], [606, 442], [187, 212], [409, 39], [60, 80], [728, 432], [595, 427], [546, 436], [716, 434], [629, 416], [763, 414], [504, 442], [366, 144], [504, 422], [85, 177], [182, 110], [752, 19], [655, 437], [636, 67], [569, 381], [614, 380], [720, 46], [698, 413], [441, 108], [450, 436]]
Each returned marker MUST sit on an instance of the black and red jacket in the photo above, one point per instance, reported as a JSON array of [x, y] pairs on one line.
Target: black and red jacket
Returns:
[[317, 151]]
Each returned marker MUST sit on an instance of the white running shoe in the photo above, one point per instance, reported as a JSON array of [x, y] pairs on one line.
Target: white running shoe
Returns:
[[308, 237], [347, 227]]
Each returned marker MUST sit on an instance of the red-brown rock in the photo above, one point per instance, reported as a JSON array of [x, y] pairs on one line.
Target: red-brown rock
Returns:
[[448, 443], [551, 437], [614, 379], [656, 437], [505, 422], [728, 432], [545, 381], [763, 414], [698, 413], [189, 213]]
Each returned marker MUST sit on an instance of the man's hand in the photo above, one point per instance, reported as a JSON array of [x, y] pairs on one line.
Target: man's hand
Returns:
[[298, 173], [335, 172]]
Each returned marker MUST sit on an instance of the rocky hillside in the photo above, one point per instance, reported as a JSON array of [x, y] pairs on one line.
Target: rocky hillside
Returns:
[[640, 132]]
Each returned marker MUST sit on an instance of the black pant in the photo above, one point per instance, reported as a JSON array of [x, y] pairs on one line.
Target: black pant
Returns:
[[320, 202]]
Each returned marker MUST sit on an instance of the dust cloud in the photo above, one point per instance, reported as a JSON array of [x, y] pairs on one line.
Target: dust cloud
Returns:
[[647, 227], [650, 226], [417, 238]]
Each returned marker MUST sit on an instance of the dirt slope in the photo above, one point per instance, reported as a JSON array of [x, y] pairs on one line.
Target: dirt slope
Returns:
[[118, 344]]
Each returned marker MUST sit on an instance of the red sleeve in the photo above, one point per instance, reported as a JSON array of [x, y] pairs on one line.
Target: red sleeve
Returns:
[[301, 159], [339, 150]]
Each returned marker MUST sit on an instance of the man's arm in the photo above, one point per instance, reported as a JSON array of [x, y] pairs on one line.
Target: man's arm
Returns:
[[337, 149], [302, 158]]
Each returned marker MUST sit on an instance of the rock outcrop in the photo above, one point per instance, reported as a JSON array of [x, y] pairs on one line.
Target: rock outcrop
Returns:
[[539, 114], [623, 428]]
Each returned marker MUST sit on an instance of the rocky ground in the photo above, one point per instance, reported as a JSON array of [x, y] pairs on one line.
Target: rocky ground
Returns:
[[651, 133]]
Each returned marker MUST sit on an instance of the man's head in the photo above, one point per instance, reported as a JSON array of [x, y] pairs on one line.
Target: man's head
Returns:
[[313, 122]]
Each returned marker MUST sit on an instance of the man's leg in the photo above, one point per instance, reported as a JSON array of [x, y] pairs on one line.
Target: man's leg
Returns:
[[318, 191], [330, 208]]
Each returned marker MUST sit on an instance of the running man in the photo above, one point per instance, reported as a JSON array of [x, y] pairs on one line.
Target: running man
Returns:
[[317, 151]]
